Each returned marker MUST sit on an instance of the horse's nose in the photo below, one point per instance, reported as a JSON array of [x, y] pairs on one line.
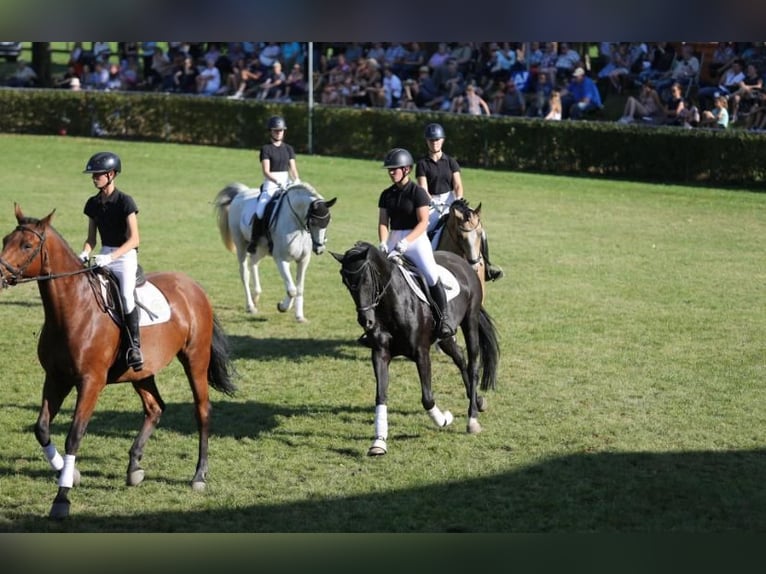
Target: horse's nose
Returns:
[[365, 320], [318, 249]]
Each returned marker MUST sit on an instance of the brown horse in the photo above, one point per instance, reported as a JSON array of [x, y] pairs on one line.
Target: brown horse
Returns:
[[79, 347], [462, 233]]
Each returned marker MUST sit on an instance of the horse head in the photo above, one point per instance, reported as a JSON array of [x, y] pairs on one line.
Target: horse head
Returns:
[[363, 270], [465, 228], [318, 220], [24, 254]]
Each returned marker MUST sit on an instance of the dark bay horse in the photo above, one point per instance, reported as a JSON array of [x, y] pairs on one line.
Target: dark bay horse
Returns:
[[79, 344], [461, 234], [398, 323]]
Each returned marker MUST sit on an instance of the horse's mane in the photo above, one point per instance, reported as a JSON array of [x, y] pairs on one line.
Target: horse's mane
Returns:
[[35, 221]]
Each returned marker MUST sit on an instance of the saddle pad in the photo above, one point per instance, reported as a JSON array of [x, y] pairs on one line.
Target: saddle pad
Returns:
[[248, 211], [451, 286], [149, 297]]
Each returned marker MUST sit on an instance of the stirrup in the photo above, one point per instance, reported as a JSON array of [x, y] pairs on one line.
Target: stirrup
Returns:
[[134, 358], [493, 273]]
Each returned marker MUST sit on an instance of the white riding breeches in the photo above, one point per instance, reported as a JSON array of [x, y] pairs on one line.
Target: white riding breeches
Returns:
[[419, 252], [125, 268], [439, 206], [268, 189]]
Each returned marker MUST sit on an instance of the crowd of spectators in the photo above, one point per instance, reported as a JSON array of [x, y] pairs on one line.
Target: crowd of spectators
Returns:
[[548, 80]]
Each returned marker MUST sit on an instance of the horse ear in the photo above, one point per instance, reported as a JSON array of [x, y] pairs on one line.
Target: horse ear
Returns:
[[337, 256], [331, 202], [47, 219], [478, 209], [19, 213]]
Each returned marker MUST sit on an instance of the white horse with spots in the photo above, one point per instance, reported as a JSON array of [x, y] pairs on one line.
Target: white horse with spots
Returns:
[[298, 226]]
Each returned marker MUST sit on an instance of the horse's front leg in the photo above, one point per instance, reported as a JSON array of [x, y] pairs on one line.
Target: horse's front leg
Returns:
[[285, 304], [300, 280], [87, 397], [423, 362], [54, 394], [381, 359]]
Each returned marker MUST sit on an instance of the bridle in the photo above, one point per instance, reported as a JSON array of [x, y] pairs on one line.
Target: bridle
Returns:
[[320, 221], [375, 282], [465, 229], [15, 273]]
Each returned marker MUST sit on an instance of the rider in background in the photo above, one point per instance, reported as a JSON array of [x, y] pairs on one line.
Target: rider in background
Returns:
[[113, 214], [279, 169], [402, 225], [439, 174]]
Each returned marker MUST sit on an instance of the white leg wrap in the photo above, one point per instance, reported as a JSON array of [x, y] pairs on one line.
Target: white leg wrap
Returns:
[[381, 422], [441, 419], [53, 456], [66, 478]]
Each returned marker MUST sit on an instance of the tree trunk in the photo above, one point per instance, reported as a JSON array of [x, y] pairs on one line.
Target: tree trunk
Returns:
[[41, 62]]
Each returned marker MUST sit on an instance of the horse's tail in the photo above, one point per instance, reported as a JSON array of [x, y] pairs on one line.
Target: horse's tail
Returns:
[[489, 349], [220, 371], [222, 203]]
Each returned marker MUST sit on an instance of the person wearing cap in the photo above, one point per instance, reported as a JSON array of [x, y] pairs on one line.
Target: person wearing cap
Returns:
[[402, 229], [279, 170], [112, 214], [439, 174], [582, 95]]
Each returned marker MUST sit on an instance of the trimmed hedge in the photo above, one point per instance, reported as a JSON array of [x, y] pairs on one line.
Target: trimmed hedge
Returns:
[[729, 158]]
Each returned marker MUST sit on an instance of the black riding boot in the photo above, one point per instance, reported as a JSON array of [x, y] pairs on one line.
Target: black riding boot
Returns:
[[258, 231], [444, 330], [134, 358], [491, 272]]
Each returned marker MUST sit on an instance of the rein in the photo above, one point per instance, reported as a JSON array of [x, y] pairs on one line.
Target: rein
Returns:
[[310, 215]]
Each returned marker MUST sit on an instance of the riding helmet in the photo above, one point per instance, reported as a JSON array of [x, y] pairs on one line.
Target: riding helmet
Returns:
[[277, 123], [398, 157], [102, 162], [434, 132]]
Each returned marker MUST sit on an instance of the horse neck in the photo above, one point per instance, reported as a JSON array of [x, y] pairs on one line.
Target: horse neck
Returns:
[[294, 209], [62, 297]]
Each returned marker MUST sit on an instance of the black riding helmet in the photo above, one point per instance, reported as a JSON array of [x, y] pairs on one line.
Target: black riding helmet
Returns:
[[102, 162], [434, 132], [277, 123], [398, 157]]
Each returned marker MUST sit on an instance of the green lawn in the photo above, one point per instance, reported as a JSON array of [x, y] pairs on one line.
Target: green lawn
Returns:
[[630, 399]]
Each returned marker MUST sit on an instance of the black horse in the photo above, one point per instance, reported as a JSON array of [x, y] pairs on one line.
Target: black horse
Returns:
[[399, 323]]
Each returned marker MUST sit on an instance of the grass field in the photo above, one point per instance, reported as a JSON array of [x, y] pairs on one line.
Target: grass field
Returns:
[[632, 322]]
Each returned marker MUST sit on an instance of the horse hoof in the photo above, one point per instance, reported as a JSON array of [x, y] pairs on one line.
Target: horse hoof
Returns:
[[376, 451], [473, 426], [301, 320], [448, 418], [280, 309], [481, 404], [198, 486], [136, 477], [59, 510]]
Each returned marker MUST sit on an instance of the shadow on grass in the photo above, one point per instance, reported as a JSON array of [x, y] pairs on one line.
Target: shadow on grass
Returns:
[[608, 492], [276, 348]]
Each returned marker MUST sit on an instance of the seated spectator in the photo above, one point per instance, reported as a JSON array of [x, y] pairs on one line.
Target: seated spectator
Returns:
[[450, 81], [101, 51], [274, 84], [718, 117], [728, 82], [96, 78], [540, 100], [185, 77], [209, 79], [567, 61], [582, 96], [415, 57], [130, 74], [270, 53], [747, 92], [501, 61], [250, 77], [722, 57], [424, 92], [548, 62], [646, 107], [659, 59], [160, 71], [392, 87], [394, 56], [555, 107], [617, 67], [440, 57], [24, 76], [471, 103], [292, 53], [295, 84], [678, 111], [685, 69], [114, 82], [512, 102]]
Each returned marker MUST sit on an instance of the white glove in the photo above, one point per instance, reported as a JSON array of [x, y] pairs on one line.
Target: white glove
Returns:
[[84, 256], [102, 259], [296, 181], [383, 247], [402, 246]]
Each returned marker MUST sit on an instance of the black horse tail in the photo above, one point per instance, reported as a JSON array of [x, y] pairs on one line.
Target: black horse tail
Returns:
[[220, 371], [489, 350]]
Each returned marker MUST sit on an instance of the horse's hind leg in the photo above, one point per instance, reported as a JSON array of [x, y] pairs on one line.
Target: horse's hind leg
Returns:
[[195, 361], [423, 362], [153, 409], [246, 269]]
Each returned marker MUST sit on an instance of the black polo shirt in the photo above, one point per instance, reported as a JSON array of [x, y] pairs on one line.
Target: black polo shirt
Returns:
[[111, 216], [401, 204], [438, 174], [279, 156]]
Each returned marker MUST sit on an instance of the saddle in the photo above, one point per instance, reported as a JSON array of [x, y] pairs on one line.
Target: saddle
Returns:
[[418, 284], [153, 306]]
